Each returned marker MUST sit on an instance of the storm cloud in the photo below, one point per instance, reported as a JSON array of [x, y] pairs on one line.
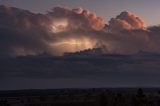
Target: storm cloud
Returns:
[[126, 20], [26, 33], [33, 45], [63, 30]]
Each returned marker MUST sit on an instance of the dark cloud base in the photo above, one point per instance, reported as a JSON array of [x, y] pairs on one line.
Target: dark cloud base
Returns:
[[98, 71]]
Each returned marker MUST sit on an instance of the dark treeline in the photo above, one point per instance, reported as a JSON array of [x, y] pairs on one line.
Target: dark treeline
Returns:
[[81, 97]]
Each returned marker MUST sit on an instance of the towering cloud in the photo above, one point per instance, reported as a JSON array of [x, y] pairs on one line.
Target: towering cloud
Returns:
[[126, 20], [77, 18], [69, 30], [58, 31]]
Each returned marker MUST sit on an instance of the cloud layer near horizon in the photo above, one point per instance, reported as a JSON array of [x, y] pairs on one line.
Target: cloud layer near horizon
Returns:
[[30, 72], [63, 30]]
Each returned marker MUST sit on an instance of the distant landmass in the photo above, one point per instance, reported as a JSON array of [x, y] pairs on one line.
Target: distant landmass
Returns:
[[82, 97]]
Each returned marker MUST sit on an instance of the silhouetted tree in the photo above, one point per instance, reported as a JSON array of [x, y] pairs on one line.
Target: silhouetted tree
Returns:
[[140, 93], [140, 99], [103, 100], [119, 100]]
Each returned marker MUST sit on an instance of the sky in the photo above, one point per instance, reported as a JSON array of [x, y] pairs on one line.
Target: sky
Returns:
[[99, 44], [146, 9]]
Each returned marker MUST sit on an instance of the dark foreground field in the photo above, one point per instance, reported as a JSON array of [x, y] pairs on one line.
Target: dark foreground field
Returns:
[[82, 97]]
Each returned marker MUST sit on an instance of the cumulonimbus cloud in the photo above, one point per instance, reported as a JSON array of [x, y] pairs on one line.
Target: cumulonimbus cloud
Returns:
[[63, 30], [126, 20]]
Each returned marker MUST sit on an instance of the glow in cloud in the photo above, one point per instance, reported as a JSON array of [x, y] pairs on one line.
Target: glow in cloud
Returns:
[[69, 30]]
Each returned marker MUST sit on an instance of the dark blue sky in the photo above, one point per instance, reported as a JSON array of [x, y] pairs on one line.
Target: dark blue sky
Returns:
[[146, 9]]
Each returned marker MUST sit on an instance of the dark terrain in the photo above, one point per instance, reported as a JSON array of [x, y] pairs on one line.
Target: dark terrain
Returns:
[[82, 97]]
